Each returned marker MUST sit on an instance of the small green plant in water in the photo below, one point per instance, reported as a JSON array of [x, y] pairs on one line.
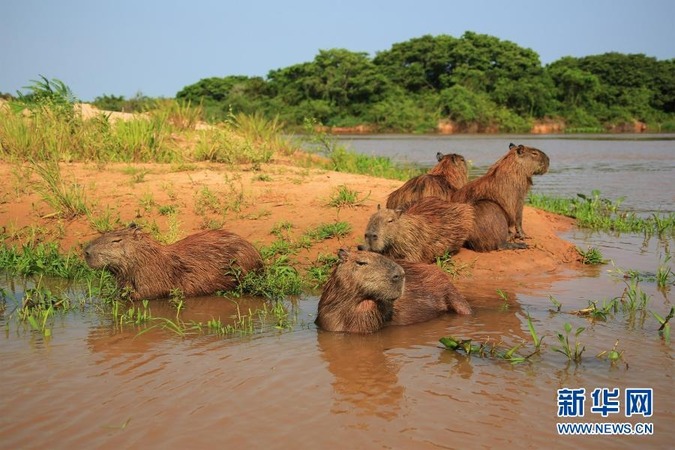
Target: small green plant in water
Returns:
[[664, 329], [598, 313], [664, 273], [591, 256], [556, 303], [613, 355], [573, 353], [505, 299]]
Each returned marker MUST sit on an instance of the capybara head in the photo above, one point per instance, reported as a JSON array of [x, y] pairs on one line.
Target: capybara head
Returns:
[[114, 250], [381, 227], [533, 160], [360, 293], [370, 275], [452, 166]]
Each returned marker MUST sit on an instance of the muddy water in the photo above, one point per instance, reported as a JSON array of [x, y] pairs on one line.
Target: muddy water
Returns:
[[93, 385]]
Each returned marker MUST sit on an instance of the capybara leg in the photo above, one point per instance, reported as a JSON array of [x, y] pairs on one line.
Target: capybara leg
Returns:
[[513, 246]]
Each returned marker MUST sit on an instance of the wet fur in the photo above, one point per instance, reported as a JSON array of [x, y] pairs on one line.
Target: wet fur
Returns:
[[491, 229], [368, 291], [448, 175], [430, 228], [507, 183], [200, 264]]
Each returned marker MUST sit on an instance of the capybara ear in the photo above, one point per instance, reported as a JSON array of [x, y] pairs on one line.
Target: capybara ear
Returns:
[[399, 212], [378, 206], [520, 150], [439, 156], [137, 232], [133, 226], [343, 254], [511, 145]]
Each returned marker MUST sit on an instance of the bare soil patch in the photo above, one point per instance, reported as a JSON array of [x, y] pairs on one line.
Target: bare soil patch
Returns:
[[251, 200]]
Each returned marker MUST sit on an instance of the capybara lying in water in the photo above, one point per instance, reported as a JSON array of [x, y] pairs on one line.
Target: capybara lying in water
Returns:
[[448, 175], [507, 183], [368, 291], [200, 264], [429, 228]]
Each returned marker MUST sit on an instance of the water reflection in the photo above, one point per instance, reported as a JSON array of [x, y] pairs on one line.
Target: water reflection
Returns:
[[365, 378]]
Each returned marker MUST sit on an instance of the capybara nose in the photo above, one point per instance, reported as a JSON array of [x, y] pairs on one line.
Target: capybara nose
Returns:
[[371, 236]]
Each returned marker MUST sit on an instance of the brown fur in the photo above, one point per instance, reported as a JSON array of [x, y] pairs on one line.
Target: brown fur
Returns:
[[491, 229], [200, 264], [507, 183], [430, 228], [448, 175], [368, 291]]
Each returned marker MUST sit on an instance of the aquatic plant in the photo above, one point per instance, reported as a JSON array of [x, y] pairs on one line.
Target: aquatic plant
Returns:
[[492, 349], [664, 329], [591, 256], [598, 313], [573, 353], [613, 355]]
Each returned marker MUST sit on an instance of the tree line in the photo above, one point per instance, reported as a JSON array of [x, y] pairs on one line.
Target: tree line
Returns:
[[474, 83]]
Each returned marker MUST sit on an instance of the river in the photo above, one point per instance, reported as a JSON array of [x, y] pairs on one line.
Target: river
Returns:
[[94, 385]]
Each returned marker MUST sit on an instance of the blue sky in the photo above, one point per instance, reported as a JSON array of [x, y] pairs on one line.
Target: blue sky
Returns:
[[157, 47]]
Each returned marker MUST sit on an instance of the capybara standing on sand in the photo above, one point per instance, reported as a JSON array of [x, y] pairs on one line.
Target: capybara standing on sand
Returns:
[[448, 175], [507, 183], [368, 291], [429, 228], [200, 264]]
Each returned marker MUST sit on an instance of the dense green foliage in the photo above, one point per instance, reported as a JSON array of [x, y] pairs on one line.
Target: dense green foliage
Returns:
[[478, 82]]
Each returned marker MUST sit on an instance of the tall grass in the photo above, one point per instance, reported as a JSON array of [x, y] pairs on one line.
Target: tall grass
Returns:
[[340, 159], [67, 199]]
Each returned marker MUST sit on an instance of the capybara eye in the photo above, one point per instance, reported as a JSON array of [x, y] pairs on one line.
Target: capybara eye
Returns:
[[390, 220], [361, 263]]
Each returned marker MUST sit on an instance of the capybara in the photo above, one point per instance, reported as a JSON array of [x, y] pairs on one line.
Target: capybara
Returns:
[[429, 228], [368, 291], [199, 264], [507, 183], [448, 175], [491, 229]]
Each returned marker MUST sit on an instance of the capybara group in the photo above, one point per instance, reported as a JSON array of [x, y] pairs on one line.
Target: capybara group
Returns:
[[368, 291], [199, 264], [428, 229], [507, 183], [448, 175]]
